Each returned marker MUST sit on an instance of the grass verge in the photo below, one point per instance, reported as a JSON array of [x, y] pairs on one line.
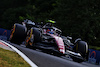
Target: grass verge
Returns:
[[11, 59]]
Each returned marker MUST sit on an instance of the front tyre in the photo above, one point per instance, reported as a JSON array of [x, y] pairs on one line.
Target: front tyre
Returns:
[[82, 48]]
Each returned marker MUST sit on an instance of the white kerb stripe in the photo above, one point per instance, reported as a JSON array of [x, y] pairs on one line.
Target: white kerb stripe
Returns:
[[22, 55]]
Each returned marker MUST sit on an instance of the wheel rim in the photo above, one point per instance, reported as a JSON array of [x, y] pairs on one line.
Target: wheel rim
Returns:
[[28, 41]]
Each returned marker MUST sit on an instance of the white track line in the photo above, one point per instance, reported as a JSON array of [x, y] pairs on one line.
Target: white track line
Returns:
[[22, 55]]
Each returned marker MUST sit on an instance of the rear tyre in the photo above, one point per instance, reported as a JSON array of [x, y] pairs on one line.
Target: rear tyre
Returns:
[[37, 35], [27, 42], [33, 37], [18, 34], [29, 39]]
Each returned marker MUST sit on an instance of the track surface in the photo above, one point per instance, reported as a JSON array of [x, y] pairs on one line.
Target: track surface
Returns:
[[46, 60]]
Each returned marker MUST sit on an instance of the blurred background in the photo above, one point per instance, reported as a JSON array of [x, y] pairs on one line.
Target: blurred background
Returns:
[[76, 18]]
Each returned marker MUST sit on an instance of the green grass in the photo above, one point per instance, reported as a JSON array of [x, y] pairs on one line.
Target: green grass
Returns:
[[94, 47], [11, 59]]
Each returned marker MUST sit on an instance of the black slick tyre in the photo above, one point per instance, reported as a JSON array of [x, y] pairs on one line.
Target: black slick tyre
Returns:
[[18, 34], [34, 36], [82, 48], [37, 35]]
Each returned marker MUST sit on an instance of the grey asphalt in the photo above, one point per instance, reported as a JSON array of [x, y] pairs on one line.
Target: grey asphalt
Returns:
[[46, 60]]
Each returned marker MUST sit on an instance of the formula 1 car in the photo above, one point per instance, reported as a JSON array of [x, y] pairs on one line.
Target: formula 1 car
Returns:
[[48, 37]]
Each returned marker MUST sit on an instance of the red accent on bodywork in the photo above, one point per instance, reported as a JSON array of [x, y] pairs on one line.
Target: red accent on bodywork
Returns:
[[59, 42]]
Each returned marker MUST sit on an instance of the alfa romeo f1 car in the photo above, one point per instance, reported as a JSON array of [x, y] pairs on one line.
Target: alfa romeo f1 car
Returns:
[[48, 37]]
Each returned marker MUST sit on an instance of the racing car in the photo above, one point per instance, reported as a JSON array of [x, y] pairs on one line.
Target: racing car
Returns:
[[48, 37]]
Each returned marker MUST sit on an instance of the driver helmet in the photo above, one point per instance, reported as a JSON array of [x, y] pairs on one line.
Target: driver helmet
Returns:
[[51, 21]]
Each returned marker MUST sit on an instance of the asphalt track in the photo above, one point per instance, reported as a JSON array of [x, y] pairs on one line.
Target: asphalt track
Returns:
[[46, 60]]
